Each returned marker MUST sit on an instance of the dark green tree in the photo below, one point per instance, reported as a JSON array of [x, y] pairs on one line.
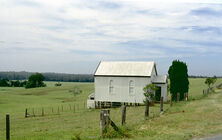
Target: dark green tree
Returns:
[[35, 80], [178, 75]]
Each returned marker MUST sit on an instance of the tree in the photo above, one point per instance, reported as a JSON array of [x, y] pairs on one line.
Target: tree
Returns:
[[35, 80], [149, 91], [178, 75], [210, 81]]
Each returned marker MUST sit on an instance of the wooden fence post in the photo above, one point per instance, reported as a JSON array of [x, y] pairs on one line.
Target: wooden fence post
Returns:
[[104, 121], [58, 109], [123, 114], [186, 99], [33, 112], [42, 111], [147, 108], [74, 108], [26, 113], [171, 99], [70, 108], [52, 110], [178, 97], [7, 127], [161, 104], [84, 105]]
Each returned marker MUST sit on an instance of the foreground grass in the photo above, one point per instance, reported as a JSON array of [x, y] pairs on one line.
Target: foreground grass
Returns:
[[200, 116]]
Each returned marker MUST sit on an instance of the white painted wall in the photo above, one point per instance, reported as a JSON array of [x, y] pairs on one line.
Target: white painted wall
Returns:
[[121, 89], [153, 74]]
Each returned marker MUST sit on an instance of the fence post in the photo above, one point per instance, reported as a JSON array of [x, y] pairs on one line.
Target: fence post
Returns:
[[123, 114], [58, 109], [147, 108], [33, 112], [70, 108], [26, 113], [42, 111], [171, 99], [104, 121], [178, 97], [52, 110], [186, 96], [7, 127], [84, 105], [62, 108], [74, 108], [161, 104]]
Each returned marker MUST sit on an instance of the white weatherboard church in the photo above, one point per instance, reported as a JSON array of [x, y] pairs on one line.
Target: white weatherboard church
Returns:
[[123, 81]]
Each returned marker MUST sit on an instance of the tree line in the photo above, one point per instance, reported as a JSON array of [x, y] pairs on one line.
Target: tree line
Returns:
[[23, 75], [9, 83]]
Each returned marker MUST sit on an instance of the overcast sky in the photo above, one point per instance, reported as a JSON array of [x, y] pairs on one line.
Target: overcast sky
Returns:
[[72, 36]]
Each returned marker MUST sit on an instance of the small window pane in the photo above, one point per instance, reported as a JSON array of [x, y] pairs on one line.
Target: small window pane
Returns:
[[131, 83], [111, 86], [131, 87]]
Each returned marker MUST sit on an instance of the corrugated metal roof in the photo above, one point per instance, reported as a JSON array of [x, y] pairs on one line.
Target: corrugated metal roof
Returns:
[[124, 68], [160, 79]]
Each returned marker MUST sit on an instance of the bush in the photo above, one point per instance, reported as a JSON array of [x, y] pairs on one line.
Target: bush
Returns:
[[58, 84]]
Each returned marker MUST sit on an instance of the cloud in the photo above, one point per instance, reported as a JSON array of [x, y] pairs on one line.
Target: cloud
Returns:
[[206, 11], [84, 31]]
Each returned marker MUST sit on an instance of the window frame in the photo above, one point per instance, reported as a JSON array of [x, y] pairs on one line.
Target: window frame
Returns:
[[111, 87], [131, 87]]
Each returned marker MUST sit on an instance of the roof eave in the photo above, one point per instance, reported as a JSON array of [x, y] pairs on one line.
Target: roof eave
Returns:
[[120, 76]]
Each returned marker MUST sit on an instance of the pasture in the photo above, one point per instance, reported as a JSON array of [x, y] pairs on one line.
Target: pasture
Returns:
[[197, 117]]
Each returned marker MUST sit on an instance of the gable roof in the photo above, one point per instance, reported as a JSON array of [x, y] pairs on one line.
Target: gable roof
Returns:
[[125, 68], [160, 79]]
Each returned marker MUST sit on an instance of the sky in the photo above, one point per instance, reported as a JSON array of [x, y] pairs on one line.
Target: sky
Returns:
[[73, 36]]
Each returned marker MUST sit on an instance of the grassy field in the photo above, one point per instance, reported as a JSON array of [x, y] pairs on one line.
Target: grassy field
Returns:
[[197, 117]]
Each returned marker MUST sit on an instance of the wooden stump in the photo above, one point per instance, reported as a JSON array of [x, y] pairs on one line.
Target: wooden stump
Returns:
[[123, 114], [104, 121]]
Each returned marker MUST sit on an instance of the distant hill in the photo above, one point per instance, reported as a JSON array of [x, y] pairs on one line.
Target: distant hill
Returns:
[[200, 76], [23, 75]]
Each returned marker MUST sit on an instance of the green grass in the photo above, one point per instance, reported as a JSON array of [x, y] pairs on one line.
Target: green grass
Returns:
[[201, 115]]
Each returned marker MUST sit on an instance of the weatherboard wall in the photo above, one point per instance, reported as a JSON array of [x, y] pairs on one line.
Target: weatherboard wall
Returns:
[[121, 89]]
